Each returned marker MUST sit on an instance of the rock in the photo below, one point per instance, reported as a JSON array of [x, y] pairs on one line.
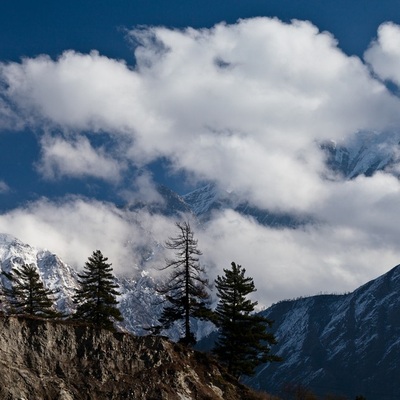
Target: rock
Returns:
[[68, 361]]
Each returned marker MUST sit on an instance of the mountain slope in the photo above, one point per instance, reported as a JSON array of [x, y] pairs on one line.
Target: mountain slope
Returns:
[[345, 344]]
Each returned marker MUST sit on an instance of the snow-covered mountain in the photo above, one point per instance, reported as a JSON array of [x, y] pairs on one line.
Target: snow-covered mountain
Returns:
[[343, 344], [364, 154], [57, 275], [139, 302]]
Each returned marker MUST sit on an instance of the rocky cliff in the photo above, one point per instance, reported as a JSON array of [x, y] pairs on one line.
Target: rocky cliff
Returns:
[[53, 360]]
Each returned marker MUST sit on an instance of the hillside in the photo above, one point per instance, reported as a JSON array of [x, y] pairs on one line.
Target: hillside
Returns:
[[54, 360], [345, 344]]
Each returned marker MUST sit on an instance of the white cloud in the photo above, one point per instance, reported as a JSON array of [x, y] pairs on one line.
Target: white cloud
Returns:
[[330, 257], [221, 103], [77, 159], [286, 86], [74, 228], [78, 91], [9, 119], [384, 53], [367, 204], [354, 240]]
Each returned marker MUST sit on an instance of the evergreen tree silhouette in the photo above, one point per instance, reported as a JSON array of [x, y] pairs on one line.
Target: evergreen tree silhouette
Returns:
[[185, 290], [27, 294], [96, 296], [243, 341]]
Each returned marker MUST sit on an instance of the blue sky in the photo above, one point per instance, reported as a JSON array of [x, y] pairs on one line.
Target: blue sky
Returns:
[[100, 101]]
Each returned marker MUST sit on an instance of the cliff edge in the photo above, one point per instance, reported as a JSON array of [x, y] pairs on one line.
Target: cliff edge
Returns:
[[54, 360]]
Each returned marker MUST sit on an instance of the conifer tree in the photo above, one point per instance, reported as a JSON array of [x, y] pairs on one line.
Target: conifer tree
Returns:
[[96, 296], [244, 341], [186, 289], [27, 294]]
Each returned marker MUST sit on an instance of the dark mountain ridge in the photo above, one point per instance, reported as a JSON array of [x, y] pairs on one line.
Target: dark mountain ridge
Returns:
[[343, 344]]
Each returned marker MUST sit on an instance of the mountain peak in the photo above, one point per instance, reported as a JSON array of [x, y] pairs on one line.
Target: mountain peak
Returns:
[[7, 239]]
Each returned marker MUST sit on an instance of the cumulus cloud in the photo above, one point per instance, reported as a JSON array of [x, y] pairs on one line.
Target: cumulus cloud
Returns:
[[384, 53], [220, 103], [282, 88], [77, 91], [76, 159]]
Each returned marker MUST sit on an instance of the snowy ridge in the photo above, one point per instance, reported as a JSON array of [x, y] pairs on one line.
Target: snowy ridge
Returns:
[[203, 200], [364, 154], [137, 296]]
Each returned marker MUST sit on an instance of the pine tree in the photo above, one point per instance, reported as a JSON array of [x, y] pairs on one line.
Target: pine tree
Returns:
[[28, 294], [185, 291], [96, 296], [244, 341]]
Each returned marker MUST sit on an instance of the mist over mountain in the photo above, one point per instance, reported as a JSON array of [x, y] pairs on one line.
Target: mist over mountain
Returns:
[[364, 154], [208, 199]]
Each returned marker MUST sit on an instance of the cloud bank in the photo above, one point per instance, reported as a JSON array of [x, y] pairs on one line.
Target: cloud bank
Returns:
[[245, 106]]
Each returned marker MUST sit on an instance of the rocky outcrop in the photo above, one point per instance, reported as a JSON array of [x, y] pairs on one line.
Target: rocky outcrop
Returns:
[[53, 360]]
